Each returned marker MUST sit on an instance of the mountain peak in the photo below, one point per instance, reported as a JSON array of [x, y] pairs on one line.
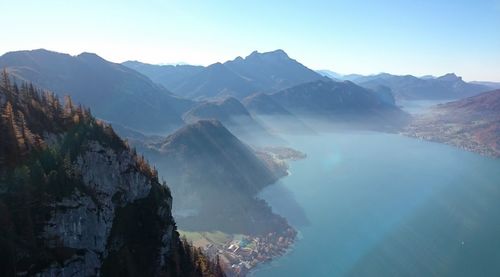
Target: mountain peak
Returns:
[[196, 130], [216, 69], [384, 75], [202, 125], [222, 109], [90, 57], [450, 77], [216, 65], [206, 123], [278, 54], [40, 53]]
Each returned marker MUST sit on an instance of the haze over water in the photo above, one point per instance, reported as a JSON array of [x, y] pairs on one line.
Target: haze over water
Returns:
[[373, 204]]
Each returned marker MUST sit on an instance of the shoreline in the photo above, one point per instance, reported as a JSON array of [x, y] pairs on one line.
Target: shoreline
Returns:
[[472, 133], [462, 143], [238, 253]]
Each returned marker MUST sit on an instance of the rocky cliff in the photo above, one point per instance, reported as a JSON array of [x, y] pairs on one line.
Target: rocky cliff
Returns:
[[75, 200]]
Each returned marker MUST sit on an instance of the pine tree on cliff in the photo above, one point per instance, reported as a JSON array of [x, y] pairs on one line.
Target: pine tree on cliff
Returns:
[[5, 80], [9, 134]]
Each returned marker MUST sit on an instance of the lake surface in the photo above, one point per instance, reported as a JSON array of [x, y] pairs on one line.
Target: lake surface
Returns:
[[374, 204]]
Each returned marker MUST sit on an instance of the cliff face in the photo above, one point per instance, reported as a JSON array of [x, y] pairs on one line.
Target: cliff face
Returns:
[[75, 200], [89, 222]]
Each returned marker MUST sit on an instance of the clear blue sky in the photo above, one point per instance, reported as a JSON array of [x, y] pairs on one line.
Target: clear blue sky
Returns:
[[349, 36]]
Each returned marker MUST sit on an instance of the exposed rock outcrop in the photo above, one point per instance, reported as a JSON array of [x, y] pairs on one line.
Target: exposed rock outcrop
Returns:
[[76, 200]]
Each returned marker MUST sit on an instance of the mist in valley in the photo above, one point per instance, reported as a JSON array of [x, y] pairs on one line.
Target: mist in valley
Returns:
[[222, 139]]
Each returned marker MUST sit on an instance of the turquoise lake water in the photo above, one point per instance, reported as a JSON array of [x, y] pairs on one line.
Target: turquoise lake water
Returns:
[[374, 204]]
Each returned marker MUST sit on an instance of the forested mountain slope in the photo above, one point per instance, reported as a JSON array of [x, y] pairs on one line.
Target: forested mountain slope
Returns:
[[75, 200], [114, 92]]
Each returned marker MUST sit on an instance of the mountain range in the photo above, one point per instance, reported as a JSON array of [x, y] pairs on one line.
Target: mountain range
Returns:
[[114, 92], [408, 87], [332, 101], [127, 98], [169, 76], [327, 96], [123, 96], [241, 77]]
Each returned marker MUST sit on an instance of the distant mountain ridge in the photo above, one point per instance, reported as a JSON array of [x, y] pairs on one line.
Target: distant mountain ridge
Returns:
[[272, 71], [170, 76], [408, 87], [241, 77], [492, 85], [331, 101], [114, 92], [263, 107], [328, 96], [233, 114], [331, 74], [215, 81], [261, 103]]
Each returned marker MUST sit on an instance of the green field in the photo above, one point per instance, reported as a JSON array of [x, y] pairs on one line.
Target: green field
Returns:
[[217, 237]]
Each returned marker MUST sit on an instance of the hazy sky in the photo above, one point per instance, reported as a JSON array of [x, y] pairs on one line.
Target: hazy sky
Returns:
[[402, 37]]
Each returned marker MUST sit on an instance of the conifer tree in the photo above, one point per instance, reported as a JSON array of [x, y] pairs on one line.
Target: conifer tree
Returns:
[[68, 107], [11, 146], [20, 130], [5, 80]]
